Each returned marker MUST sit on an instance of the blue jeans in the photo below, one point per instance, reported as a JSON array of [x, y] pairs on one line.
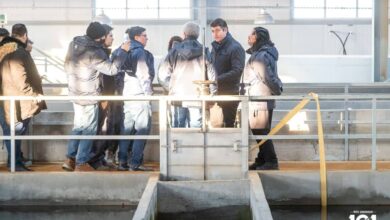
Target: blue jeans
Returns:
[[137, 121], [195, 115], [20, 129], [85, 123], [180, 117]]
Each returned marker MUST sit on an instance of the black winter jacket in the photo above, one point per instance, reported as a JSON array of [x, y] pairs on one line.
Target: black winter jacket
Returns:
[[228, 59], [261, 75]]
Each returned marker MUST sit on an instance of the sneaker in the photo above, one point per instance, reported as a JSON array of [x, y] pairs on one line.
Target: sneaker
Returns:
[[96, 164], [112, 166], [140, 168], [21, 168], [27, 163], [123, 167], [85, 167], [111, 157], [69, 164], [269, 166], [105, 166]]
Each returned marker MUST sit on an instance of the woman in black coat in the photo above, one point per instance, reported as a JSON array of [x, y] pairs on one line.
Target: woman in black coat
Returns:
[[261, 75]]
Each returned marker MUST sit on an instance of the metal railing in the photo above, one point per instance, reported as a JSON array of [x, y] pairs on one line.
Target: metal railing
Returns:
[[48, 61], [163, 103]]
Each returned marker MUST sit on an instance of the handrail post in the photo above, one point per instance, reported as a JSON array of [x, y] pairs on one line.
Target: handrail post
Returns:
[[12, 129], [373, 134], [45, 64], [245, 136], [204, 131], [163, 138], [204, 125], [346, 125]]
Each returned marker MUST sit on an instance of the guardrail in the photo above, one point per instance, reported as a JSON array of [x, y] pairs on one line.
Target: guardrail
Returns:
[[163, 103]]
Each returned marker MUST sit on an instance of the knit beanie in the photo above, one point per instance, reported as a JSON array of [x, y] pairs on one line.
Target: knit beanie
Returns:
[[95, 30]]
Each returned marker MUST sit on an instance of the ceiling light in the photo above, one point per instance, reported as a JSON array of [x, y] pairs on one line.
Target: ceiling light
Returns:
[[263, 17], [103, 19]]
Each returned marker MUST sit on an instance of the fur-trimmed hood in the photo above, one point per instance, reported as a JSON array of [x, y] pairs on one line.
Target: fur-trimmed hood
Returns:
[[7, 48], [9, 45]]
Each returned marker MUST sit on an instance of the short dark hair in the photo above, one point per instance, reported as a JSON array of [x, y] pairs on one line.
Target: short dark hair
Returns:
[[19, 30], [108, 28], [219, 22], [174, 39], [135, 31], [4, 32]]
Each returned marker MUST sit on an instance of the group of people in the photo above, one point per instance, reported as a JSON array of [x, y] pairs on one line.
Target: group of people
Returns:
[[129, 71]]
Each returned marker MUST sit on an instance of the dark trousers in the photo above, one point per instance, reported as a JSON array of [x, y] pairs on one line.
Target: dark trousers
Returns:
[[229, 110], [108, 124], [267, 150], [20, 129], [114, 122]]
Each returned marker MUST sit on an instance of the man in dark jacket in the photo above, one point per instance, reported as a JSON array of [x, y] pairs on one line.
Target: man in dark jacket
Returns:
[[136, 78], [85, 61], [228, 58], [19, 77], [184, 64]]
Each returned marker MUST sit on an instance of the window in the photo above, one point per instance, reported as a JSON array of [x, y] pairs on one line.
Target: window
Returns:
[[309, 9], [365, 8], [333, 9], [340, 9], [145, 9], [115, 9]]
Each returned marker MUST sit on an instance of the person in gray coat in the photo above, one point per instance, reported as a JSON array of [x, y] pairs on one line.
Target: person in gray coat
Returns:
[[179, 115], [261, 75], [184, 64], [85, 61]]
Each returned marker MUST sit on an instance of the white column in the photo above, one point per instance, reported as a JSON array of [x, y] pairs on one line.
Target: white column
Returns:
[[380, 40]]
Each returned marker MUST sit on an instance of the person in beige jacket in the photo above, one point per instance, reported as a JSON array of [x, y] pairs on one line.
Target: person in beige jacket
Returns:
[[19, 77]]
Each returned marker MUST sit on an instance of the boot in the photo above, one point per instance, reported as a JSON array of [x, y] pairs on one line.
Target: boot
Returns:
[[85, 167], [269, 166], [69, 164]]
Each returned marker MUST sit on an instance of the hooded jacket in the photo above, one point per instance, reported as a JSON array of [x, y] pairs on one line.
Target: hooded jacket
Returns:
[[137, 72], [262, 77], [85, 61], [163, 67], [185, 64], [19, 77]]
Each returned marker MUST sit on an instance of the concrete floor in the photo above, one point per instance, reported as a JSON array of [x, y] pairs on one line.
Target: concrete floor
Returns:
[[284, 166]]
